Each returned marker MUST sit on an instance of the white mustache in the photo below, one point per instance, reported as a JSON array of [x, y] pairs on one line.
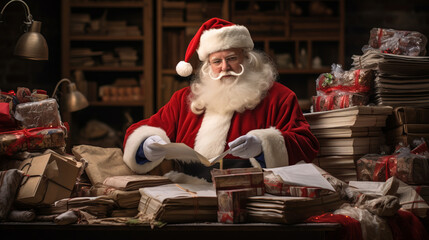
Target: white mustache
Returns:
[[224, 73]]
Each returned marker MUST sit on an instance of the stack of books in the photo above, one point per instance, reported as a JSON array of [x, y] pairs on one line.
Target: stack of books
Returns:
[[400, 80], [79, 22], [347, 134], [127, 56], [83, 56]]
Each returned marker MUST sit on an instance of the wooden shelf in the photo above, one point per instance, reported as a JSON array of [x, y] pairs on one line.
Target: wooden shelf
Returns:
[[116, 77], [117, 103], [109, 69], [107, 4], [106, 38]]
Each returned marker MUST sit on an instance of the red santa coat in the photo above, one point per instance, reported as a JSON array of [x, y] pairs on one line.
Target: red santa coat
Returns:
[[277, 120]]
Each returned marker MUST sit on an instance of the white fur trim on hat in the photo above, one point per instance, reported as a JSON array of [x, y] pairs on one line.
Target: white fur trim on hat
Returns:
[[184, 69], [214, 40], [273, 146], [133, 143]]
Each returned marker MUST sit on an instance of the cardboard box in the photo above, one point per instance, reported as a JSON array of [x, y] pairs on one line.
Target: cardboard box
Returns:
[[50, 177], [408, 115]]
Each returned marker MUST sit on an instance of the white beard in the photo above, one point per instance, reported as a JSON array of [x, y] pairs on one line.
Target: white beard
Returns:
[[219, 99], [229, 94]]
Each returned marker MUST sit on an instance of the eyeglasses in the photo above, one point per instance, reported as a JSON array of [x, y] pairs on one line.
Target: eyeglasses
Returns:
[[217, 62]]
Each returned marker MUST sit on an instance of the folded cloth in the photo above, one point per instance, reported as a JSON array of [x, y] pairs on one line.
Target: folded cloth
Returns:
[[10, 181], [65, 218], [21, 216]]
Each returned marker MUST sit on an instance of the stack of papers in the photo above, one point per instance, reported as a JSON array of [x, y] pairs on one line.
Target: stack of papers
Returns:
[[347, 134], [178, 203], [283, 209], [134, 182], [400, 80], [98, 206]]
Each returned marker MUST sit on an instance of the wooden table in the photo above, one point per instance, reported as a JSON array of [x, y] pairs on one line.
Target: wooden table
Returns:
[[206, 231]]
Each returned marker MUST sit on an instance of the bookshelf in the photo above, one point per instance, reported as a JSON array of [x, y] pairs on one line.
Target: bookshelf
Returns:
[[303, 37], [176, 23], [107, 50]]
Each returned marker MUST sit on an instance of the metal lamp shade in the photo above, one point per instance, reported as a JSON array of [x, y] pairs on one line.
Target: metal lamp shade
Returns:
[[75, 100], [32, 45]]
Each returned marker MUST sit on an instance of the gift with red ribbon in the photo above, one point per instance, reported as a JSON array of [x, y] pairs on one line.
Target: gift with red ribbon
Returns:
[[274, 185], [33, 139], [408, 167], [232, 205], [338, 100], [399, 42], [352, 81]]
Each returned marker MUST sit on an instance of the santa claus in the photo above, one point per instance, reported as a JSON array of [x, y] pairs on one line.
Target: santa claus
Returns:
[[233, 102]]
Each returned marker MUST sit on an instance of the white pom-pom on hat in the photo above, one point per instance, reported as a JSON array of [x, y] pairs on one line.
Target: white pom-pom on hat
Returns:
[[184, 69]]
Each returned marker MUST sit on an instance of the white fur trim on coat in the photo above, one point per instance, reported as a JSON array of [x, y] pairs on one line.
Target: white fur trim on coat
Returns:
[[133, 143], [214, 40], [273, 146], [211, 137]]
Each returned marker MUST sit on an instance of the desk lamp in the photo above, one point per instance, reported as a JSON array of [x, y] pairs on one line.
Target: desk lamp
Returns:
[[74, 99], [31, 45]]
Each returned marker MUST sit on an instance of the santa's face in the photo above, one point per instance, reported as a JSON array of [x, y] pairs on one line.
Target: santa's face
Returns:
[[226, 63]]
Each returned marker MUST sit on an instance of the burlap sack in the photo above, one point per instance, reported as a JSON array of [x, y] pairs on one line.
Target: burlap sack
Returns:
[[107, 162], [102, 162]]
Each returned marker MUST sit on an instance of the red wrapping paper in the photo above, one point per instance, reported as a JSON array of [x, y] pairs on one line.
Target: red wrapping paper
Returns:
[[338, 101], [274, 185], [352, 81], [32, 139], [407, 167], [232, 205], [398, 42]]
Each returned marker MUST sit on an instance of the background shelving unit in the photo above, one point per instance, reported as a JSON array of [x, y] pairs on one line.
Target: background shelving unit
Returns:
[[107, 49], [176, 24]]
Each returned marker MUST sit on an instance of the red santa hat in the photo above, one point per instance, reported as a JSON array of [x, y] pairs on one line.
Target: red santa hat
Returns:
[[214, 35]]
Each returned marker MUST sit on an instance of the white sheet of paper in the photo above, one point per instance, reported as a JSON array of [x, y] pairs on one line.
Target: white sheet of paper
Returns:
[[302, 175], [184, 152]]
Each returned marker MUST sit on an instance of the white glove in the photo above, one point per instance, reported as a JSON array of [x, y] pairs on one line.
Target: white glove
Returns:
[[151, 151], [246, 146]]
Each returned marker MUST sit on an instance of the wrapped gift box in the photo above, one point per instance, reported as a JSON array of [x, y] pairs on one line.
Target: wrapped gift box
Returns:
[[352, 81], [32, 139], [232, 205], [338, 101], [254, 180], [274, 185], [42, 113], [408, 167], [48, 178], [398, 42]]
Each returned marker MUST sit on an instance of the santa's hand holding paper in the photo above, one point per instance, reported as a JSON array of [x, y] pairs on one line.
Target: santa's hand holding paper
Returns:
[[246, 146], [151, 151], [234, 98]]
